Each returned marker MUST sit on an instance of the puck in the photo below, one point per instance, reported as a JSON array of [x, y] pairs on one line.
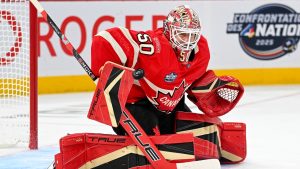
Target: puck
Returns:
[[138, 74]]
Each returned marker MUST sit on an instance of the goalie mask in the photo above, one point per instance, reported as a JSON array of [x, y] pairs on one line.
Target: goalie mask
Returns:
[[182, 28]]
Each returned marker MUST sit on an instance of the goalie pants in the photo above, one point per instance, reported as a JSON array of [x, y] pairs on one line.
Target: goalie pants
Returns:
[[153, 121]]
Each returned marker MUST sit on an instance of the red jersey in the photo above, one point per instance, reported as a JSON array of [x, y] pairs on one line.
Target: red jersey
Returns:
[[166, 79]]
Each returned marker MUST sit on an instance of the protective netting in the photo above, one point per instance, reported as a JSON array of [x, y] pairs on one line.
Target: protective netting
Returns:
[[228, 93], [14, 72]]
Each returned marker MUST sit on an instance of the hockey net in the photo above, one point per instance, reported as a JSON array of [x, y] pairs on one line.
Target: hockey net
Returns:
[[18, 105]]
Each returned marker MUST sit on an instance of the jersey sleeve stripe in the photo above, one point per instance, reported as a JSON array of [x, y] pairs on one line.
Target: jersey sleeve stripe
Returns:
[[133, 43], [115, 45], [156, 88]]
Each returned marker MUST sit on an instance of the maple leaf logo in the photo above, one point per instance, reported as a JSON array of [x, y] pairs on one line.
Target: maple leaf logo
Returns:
[[166, 102]]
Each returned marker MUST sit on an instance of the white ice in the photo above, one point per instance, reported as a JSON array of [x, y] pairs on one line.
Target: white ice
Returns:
[[270, 112]]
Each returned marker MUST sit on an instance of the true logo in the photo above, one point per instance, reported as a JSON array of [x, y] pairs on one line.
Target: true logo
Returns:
[[139, 136], [268, 32]]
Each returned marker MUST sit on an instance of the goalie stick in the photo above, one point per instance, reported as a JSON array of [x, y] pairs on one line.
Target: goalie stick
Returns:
[[127, 121]]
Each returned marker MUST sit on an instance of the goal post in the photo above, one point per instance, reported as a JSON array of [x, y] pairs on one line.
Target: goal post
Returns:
[[33, 137], [18, 74]]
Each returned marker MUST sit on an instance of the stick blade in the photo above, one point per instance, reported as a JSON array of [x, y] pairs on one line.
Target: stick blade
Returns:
[[203, 164]]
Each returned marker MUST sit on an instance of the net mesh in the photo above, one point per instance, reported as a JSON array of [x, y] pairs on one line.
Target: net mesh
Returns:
[[14, 73]]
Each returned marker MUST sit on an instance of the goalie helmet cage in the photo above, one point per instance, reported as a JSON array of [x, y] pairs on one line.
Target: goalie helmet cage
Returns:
[[18, 74]]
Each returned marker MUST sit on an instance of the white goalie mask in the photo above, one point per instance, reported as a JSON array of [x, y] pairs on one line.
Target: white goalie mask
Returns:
[[182, 28], [184, 38]]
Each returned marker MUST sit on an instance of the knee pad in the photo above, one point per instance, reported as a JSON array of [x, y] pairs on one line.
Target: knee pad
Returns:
[[214, 138]]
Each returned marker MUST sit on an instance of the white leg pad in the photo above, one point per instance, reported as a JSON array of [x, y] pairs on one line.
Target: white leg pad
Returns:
[[203, 164]]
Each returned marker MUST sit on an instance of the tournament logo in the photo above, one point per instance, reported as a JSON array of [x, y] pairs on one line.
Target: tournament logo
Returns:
[[268, 32], [170, 77]]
